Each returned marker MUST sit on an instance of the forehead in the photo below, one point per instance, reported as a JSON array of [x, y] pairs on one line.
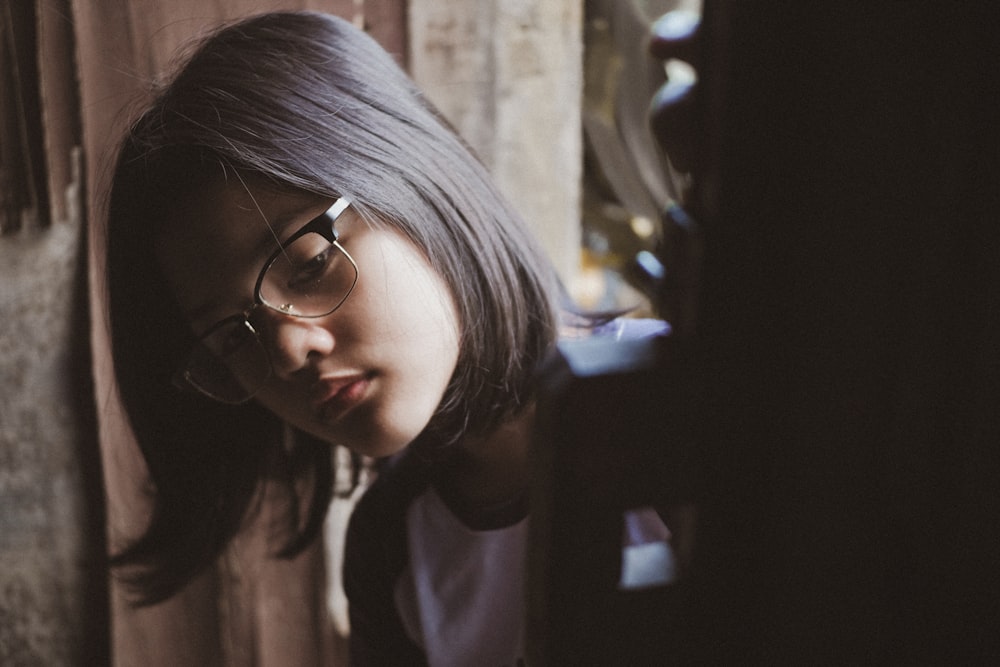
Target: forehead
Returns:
[[217, 239], [237, 216]]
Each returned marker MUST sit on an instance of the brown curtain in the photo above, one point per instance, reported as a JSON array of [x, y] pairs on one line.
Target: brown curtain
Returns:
[[250, 609]]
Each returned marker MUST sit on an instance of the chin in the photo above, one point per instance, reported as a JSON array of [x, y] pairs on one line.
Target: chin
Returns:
[[376, 445], [385, 449]]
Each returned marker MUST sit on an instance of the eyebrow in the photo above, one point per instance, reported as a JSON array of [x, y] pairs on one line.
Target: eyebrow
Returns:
[[283, 220], [269, 242]]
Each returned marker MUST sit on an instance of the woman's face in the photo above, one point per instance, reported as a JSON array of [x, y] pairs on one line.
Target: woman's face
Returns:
[[371, 374]]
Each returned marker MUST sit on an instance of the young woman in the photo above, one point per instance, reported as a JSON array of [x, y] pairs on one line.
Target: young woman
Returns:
[[303, 254]]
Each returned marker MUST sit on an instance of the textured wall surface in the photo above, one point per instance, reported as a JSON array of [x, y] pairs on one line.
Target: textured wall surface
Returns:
[[51, 579], [508, 74]]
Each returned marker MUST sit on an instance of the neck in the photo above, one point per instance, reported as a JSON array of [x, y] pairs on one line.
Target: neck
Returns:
[[494, 468]]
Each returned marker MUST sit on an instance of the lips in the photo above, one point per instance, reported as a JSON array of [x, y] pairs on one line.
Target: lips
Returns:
[[333, 397]]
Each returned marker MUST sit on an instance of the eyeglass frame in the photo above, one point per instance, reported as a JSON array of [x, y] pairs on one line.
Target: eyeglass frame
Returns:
[[324, 225]]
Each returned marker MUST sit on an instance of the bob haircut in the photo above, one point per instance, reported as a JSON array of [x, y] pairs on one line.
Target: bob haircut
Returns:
[[302, 102]]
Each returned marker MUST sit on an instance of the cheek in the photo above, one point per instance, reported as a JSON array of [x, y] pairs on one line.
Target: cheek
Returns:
[[405, 303], [432, 340]]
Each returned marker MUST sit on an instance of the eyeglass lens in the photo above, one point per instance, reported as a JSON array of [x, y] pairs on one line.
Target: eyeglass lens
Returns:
[[228, 362], [309, 278]]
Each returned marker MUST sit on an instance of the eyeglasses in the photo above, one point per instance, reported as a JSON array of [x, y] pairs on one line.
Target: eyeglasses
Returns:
[[310, 275]]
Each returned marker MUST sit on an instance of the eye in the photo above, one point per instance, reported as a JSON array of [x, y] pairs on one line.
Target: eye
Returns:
[[302, 266], [309, 272], [310, 277]]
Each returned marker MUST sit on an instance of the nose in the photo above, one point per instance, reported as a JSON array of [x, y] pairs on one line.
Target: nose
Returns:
[[293, 343]]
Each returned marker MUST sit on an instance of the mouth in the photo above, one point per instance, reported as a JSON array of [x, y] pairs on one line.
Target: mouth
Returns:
[[334, 397]]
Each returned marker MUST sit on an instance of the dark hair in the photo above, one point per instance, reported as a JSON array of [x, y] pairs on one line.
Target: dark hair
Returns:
[[306, 102]]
